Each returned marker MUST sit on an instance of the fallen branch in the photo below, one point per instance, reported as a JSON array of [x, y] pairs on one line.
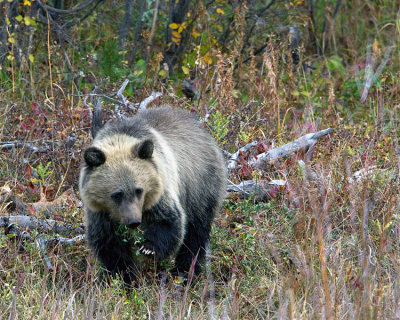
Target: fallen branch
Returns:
[[261, 189], [62, 240], [120, 95], [143, 105], [304, 143], [232, 162], [69, 142], [13, 204], [41, 242], [42, 225], [28, 146], [41, 245]]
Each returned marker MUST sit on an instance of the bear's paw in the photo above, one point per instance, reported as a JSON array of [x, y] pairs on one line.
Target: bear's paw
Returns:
[[147, 249]]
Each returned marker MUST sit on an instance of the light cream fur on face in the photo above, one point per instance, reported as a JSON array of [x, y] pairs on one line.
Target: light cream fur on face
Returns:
[[124, 169]]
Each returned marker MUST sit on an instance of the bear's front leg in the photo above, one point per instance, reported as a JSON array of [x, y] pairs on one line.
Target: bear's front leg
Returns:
[[114, 252], [163, 231]]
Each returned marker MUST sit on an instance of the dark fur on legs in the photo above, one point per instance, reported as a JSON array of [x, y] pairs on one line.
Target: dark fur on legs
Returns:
[[162, 230], [112, 249]]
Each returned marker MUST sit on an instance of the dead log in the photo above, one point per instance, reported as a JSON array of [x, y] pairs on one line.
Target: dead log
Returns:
[[42, 225], [14, 205], [304, 144], [233, 160], [262, 190]]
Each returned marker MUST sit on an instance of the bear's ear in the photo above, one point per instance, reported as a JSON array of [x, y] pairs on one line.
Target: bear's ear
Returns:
[[94, 157], [144, 150]]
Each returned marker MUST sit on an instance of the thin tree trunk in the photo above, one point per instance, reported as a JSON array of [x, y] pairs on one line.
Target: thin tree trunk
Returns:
[[138, 31], [126, 23]]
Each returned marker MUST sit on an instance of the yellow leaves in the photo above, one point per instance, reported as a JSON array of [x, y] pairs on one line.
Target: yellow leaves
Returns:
[[195, 34], [185, 70], [31, 58], [181, 28], [11, 39], [29, 21], [176, 40], [296, 3], [176, 37], [174, 26], [207, 58], [176, 34], [220, 11], [178, 29], [27, 3], [387, 225], [163, 73]]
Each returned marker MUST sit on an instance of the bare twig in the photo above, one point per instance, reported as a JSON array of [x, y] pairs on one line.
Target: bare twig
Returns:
[[369, 70], [99, 95], [121, 91], [41, 244]]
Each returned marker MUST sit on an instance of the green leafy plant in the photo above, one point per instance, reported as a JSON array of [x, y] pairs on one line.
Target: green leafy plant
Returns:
[[219, 123], [43, 172]]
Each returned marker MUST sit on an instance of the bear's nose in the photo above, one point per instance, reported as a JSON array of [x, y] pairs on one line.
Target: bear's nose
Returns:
[[134, 225]]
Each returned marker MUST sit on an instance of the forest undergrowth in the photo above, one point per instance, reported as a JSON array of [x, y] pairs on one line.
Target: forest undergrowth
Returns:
[[323, 245]]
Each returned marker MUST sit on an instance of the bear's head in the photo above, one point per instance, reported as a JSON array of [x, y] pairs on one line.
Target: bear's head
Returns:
[[120, 177]]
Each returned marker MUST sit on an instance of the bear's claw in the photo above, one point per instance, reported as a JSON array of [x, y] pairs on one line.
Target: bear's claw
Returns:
[[146, 251]]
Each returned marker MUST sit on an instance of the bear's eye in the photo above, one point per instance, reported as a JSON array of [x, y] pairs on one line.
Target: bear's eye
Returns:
[[138, 192], [117, 197]]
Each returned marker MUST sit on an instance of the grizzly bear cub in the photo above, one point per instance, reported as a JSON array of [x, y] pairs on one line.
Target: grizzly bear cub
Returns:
[[161, 171]]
